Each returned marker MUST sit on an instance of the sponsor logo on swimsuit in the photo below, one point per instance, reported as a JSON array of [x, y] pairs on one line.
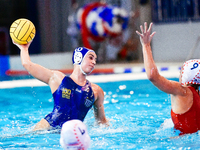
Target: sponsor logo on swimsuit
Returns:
[[78, 90], [66, 93], [88, 102]]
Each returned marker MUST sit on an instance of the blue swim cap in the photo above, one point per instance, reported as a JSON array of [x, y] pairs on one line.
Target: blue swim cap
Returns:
[[79, 54]]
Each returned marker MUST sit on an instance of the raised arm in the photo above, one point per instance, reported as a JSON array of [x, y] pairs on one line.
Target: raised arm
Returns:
[[35, 70], [52, 78], [99, 112], [171, 87]]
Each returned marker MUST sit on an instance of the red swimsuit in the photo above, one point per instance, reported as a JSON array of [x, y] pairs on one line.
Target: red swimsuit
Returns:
[[188, 122]]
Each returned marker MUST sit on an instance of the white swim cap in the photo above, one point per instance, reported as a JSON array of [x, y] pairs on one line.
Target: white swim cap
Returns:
[[78, 56], [190, 72], [74, 135]]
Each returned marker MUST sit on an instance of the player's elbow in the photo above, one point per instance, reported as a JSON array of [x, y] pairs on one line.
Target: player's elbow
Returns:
[[153, 75], [26, 65]]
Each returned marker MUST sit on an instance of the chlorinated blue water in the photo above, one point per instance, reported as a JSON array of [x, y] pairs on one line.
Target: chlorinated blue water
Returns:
[[139, 117]]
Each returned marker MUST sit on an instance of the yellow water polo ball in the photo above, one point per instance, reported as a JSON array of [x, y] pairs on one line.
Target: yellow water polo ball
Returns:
[[22, 31]]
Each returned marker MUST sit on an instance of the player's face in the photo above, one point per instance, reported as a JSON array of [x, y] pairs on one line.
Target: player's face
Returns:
[[89, 62]]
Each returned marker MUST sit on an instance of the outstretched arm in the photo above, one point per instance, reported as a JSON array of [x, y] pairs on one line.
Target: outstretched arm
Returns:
[[171, 87], [145, 39], [99, 112]]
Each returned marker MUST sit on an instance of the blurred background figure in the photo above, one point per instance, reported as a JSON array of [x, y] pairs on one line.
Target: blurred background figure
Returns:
[[72, 29], [98, 22], [74, 135]]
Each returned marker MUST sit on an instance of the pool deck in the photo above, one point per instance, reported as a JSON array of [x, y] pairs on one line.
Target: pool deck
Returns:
[[103, 73], [113, 68]]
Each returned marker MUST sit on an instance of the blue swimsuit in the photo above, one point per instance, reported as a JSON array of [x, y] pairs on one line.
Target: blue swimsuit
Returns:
[[71, 101]]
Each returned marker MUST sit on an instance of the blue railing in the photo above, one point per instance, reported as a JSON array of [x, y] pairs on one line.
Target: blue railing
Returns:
[[168, 11]]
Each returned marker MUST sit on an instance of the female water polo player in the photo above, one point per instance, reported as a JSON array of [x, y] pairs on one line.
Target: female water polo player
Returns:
[[185, 99], [73, 95]]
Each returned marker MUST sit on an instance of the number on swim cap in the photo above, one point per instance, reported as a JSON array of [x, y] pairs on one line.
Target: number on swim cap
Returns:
[[195, 65], [79, 49]]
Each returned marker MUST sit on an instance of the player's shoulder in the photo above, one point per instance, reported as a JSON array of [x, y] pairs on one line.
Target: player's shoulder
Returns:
[[57, 76], [95, 87]]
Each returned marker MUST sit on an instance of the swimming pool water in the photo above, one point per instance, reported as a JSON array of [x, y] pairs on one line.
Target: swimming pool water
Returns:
[[139, 117]]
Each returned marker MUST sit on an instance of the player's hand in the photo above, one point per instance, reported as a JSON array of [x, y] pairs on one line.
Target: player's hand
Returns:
[[22, 46], [145, 35]]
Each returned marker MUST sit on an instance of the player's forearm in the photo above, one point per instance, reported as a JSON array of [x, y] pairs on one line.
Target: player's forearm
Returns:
[[25, 58], [150, 66], [100, 116]]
